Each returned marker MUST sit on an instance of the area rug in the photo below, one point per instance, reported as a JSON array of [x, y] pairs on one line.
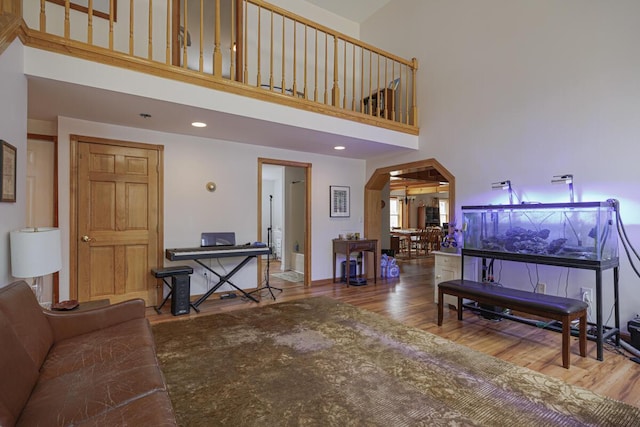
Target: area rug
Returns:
[[290, 276], [320, 362]]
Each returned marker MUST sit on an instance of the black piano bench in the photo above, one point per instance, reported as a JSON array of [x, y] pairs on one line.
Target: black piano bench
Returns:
[[179, 288]]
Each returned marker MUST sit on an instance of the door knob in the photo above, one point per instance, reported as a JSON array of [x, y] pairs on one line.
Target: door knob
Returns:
[[86, 239]]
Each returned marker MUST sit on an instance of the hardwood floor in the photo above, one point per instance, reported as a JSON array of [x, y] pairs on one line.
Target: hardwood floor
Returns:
[[409, 300]]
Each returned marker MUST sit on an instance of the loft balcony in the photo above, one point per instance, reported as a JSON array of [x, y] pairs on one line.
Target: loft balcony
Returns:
[[246, 48]]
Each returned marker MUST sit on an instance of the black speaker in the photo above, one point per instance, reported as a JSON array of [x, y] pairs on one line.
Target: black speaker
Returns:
[[181, 291], [352, 270], [634, 330]]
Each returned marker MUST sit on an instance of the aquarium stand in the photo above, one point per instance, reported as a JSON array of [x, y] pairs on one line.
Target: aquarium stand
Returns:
[[602, 332]]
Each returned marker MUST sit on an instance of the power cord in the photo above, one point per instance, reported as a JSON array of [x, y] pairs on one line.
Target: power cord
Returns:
[[622, 232], [628, 246], [586, 297]]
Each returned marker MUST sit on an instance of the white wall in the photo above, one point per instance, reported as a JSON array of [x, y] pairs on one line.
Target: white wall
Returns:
[[524, 90], [189, 209], [319, 15], [13, 129]]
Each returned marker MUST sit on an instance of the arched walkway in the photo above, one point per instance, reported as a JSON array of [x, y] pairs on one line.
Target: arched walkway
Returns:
[[380, 178]]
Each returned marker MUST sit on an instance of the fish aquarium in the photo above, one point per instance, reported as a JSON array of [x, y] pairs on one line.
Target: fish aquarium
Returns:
[[580, 231]]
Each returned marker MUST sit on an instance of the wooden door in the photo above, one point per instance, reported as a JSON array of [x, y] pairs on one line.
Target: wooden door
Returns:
[[118, 220]]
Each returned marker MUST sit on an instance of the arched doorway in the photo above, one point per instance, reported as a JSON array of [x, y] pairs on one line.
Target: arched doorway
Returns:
[[429, 169]]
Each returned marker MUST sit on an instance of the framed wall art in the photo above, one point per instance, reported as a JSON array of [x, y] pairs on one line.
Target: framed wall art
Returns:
[[339, 201], [8, 172]]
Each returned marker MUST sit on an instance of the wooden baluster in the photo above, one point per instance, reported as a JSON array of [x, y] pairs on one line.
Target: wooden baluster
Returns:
[[168, 47], [414, 107], [361, 80], [326, 68], [387, 113], [90, 22], [201, 50], [111, 18], [67, 22], [131, 20], [403, 83], [353, 77], [406, 95], [370, 83], [244, 32], [259, 75], [150, 51], [306, 54], [43, 18], [232, 44], [335, 93], [185, 31], [344, 75], [283, 80], [380, 99], [393, 92], [217, 52], [315, 80], [405, 109], [271, 54], [294, 89]]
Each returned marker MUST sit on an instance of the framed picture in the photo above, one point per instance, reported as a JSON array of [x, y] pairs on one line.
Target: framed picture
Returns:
[[8, 172], [101, 8], [339, 201]]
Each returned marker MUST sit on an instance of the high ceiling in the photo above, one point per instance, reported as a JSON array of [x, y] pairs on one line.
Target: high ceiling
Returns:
[[354, 10]]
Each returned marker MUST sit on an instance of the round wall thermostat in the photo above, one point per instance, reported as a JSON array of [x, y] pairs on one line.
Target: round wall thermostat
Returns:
[[211, 186]]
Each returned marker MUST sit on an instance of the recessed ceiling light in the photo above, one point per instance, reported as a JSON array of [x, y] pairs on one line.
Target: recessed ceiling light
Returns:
[[199, 125], [339, 147]]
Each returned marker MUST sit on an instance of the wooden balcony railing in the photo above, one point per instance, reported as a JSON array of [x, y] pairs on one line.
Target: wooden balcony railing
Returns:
[[244, 46]]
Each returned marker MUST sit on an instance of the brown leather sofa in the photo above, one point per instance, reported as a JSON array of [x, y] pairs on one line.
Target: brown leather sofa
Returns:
[[96, 367]]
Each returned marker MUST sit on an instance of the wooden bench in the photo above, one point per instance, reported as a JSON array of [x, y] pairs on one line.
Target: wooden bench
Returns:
[[547, 306]]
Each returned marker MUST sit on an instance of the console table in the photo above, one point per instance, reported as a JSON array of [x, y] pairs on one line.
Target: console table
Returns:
[[348, 247]]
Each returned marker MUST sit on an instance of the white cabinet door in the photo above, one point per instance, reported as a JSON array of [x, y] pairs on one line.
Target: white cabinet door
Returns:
[[447, 267]]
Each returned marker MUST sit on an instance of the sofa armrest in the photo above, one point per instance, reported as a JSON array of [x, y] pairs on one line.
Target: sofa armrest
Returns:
[[67, 325]]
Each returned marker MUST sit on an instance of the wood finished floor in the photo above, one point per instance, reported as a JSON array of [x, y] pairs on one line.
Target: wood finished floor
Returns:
[[409, 300]]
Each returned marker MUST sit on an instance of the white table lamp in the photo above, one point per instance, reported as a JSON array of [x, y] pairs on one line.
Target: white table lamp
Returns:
[[35, 252]]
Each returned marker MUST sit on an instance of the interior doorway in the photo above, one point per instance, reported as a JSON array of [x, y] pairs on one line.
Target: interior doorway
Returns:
[[42, 193], [116, 219], [284, 218], [375, 194]]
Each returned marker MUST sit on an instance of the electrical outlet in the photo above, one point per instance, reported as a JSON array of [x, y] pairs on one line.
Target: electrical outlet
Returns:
[[586, 295], [541, 288]]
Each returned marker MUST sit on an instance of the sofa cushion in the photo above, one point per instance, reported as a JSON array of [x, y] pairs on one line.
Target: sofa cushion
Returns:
[[92, 391], [19, 374], [122, 343], [20, 306], [151, 410]]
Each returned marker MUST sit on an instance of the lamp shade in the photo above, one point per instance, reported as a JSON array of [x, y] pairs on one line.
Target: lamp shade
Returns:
[[35, 252]]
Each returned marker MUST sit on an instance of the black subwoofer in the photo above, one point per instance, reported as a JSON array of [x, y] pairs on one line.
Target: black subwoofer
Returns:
[[180, 297]]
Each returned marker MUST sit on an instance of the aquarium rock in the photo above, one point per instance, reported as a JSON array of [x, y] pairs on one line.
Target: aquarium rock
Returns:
[[521, 240]]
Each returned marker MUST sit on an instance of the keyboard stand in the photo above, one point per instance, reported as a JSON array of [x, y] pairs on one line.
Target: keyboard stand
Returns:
[[223, 280]]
